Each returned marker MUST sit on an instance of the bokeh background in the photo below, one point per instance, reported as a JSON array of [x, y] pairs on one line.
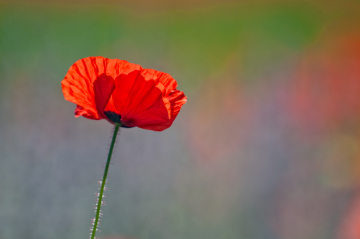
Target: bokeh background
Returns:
[[267, 146]]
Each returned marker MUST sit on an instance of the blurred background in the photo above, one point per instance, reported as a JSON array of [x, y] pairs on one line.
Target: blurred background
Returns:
[[267, 146]]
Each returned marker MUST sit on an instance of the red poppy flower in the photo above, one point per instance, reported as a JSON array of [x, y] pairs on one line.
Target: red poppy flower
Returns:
[[122, 92]]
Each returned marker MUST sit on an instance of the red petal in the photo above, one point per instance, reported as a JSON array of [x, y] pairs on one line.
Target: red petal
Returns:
[[103, 88], [176, 100], [89, 84], [147, 99], [167, 111], [80, 111]]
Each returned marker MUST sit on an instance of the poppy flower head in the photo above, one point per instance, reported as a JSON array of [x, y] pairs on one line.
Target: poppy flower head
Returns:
[[122, 92]]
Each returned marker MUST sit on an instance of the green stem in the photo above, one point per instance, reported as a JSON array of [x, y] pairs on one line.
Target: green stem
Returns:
[[117, 125]]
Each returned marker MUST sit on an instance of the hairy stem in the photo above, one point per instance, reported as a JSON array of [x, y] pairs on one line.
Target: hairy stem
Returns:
[[117, 125]]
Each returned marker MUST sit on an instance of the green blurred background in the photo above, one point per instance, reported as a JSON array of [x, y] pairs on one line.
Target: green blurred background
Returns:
[[267, 146]]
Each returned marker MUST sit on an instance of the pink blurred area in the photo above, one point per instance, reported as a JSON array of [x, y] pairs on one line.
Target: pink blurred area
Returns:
[[326, 84]]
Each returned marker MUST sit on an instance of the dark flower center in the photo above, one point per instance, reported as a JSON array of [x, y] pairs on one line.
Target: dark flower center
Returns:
[[116, 118]]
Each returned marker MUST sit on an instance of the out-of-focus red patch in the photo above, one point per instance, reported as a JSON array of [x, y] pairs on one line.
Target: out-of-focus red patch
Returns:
[[350, 225], [325, 92]]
